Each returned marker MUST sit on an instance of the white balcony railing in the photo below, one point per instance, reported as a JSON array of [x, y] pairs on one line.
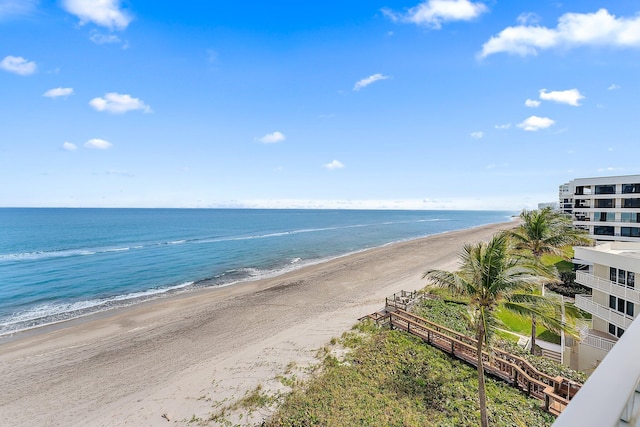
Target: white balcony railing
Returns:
[[598, 342], [585, 302], [611, 288], [610, 396]]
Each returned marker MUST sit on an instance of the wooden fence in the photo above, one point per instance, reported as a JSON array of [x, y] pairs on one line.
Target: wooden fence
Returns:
[[554, 392]]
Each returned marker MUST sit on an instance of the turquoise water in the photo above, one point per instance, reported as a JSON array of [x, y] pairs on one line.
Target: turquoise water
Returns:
[[56, 264]]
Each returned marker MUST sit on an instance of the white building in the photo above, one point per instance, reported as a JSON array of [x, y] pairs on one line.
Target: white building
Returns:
[[607, 207], [552, 205], [614, 303], [611, 395]]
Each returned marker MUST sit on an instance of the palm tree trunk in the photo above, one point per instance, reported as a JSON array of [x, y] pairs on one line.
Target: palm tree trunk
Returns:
[[533, 334], [482, 394]]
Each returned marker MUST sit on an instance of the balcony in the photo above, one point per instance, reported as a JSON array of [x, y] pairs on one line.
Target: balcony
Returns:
[[603, 230], [610, 397], [598, 342], [631, 203], [607, 286], [630, 188], [605, 189], [585, 302]]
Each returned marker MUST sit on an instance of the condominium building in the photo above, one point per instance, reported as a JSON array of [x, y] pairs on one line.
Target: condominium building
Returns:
[[607, 207], [611, 395], [611, 270]]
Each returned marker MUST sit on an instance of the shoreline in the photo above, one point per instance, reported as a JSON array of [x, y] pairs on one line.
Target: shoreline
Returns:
[[182, 355], [117, 302]]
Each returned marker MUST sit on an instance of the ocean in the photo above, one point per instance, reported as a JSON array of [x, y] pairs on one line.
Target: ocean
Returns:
[[57, 264]]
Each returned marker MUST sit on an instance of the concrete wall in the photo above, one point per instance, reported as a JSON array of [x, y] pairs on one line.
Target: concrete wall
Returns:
[[600, 325], [600, 297], [601, 271], [588, 358]]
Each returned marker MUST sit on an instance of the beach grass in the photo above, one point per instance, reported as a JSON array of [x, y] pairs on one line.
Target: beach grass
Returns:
[[390, 378]]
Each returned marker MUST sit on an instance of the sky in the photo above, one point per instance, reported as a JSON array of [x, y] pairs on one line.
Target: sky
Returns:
[[376, 104]]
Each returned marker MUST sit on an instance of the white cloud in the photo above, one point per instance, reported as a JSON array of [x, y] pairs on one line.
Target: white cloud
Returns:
[[98, 144], [272, 138], [336, 164], [477, 135], [609, 169], [613, 87], [105, 13], [119, 103], [504, 202], [118, 172], [532, 103], [18, 65], [99, 38], [573, 30], [528, 18], [367, 81], [9, 8], [432, 13], [57, 92], [68, 146], [503, 127], [570, 97], [535, 123]]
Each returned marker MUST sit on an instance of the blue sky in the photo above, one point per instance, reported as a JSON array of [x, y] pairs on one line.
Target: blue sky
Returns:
[[362, 104]]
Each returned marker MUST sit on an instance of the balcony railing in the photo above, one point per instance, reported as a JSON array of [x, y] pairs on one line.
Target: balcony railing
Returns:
[[598, 342], [585, 302], [610, 395], [611, 288]]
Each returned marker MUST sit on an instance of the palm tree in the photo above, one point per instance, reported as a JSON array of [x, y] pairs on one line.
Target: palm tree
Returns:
[[489, 274], [546, 231]]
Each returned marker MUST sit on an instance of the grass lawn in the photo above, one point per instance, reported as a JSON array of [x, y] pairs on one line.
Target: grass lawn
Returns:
[[522, 325]]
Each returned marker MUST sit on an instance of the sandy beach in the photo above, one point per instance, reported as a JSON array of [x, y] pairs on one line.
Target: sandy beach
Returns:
[[172, 360]]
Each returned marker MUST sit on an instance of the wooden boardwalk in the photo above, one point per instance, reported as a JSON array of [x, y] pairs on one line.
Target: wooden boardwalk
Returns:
[[555, 393]]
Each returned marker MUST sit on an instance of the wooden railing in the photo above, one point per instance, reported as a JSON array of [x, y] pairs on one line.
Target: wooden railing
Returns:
[[554, 392], [402, 300]]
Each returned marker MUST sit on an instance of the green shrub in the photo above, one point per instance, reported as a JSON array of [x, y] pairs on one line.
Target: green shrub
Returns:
[[394, 379]]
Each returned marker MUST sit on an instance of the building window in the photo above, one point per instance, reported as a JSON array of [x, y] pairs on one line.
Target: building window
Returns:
[[620, 305], [630, 231], [582, 204], [622, 275], [631, 188], [607, 203], [630, 217], [603, 230], [631, 203], [605, 216], [615, 331], [605, 189]]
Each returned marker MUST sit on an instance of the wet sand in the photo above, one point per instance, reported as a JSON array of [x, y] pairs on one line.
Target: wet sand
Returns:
[[168, 361]]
